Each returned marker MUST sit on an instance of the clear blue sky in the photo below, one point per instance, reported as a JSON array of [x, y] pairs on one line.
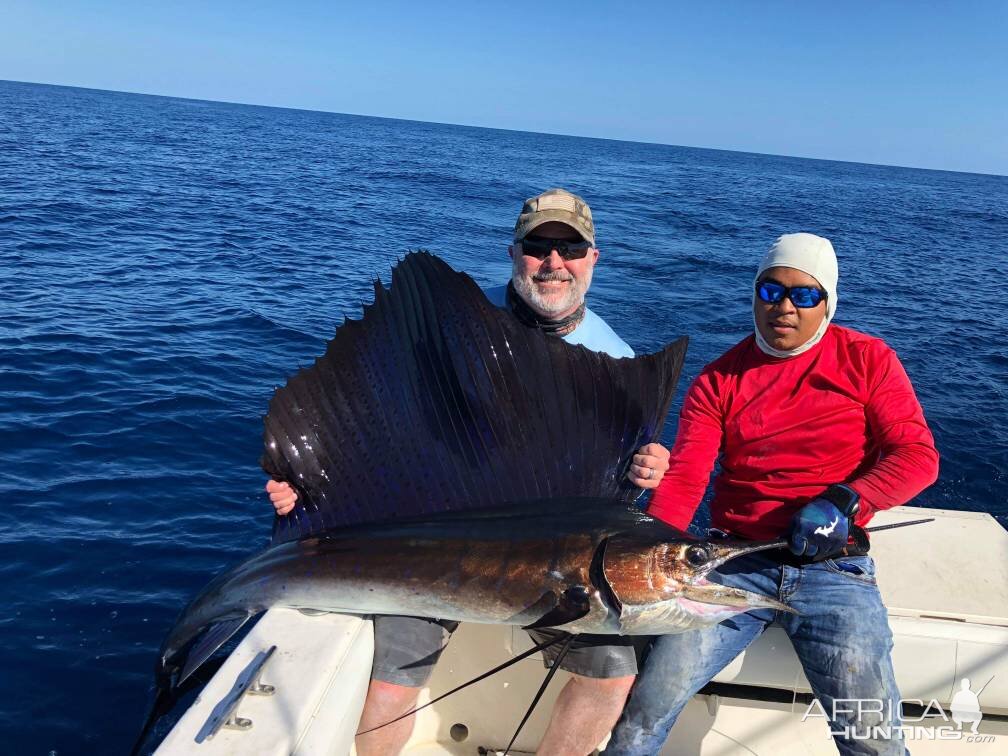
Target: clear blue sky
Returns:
[[903, 83]]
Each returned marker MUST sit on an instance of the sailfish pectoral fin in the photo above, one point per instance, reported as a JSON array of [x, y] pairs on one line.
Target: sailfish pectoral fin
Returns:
[[542, 689], [500, 667], [572, 605]]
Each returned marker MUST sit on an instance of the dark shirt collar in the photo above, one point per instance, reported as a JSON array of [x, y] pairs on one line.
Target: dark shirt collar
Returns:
[[529, 317]]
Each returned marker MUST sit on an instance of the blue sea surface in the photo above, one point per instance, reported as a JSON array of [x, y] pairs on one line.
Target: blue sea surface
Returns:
[[167, 263]]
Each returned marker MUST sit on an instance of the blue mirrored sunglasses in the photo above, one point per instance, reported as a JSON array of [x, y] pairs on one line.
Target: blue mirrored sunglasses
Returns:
[[772, 292]]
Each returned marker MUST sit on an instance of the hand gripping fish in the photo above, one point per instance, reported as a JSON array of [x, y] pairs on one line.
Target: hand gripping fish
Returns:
[[453, 463]]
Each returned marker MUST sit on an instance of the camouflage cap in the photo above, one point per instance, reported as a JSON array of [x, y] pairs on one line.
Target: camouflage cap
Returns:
[[557, 205]]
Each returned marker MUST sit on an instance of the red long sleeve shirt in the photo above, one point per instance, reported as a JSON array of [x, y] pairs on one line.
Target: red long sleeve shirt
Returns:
[[842, 412]]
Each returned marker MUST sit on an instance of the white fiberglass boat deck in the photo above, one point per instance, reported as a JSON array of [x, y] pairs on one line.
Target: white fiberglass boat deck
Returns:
[[945, 583]]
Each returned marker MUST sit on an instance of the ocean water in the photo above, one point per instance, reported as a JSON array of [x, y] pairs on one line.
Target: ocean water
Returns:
[[166, 263]]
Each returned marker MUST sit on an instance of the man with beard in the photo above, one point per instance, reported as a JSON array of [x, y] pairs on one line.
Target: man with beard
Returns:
[[553, 256]]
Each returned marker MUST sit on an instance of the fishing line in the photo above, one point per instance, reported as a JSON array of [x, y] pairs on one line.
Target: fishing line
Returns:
[[898, 525], [495, 670], [785, 542], [542, 689]]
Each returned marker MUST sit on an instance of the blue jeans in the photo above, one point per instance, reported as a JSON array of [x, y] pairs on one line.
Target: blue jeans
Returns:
[[841, 636]]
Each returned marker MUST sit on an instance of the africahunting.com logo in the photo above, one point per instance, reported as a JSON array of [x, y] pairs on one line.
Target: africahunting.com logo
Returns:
[[960, 722]]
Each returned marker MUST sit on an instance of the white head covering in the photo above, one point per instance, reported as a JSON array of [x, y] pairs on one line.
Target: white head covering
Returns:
[[810, 254]]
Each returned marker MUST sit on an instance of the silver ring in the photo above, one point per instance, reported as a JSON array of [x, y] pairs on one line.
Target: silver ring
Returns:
[[650, 473]]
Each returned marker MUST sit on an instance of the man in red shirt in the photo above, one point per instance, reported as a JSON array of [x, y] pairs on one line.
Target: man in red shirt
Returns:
[[817, 427]]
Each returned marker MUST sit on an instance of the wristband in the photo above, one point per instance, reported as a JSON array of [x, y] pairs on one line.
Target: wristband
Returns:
[[844, 498]]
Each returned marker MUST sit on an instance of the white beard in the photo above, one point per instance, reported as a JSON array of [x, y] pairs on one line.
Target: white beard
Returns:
[[552, 304]]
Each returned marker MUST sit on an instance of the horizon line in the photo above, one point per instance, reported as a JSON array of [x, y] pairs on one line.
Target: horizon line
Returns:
[[501, 128]]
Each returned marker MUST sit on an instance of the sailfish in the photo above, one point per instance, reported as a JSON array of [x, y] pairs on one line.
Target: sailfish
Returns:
[[453, 463]]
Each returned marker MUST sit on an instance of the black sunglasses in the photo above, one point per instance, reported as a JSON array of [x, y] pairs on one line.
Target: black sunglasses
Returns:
[[804, 297], [540, 248]]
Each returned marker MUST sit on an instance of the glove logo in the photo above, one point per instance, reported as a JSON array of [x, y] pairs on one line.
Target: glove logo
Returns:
[[823, 530]]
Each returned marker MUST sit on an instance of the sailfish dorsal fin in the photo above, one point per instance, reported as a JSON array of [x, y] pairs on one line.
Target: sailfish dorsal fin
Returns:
[[436, 401]]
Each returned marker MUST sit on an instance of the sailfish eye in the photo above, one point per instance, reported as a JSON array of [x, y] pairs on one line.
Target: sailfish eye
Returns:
[[697, 556]]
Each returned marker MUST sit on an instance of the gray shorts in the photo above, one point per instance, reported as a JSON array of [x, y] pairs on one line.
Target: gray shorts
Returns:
[[407, 648]]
